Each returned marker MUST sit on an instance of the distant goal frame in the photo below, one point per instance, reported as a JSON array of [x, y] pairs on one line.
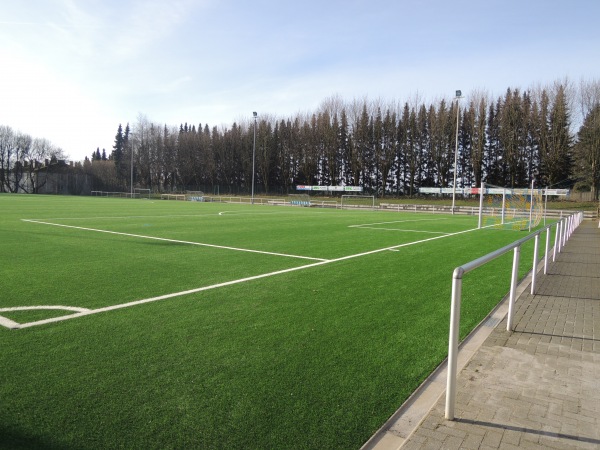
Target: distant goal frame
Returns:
[[368, 201], [142, 193]]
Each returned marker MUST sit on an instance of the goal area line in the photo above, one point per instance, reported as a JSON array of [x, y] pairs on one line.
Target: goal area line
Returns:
[[375, 226], [85, 312]]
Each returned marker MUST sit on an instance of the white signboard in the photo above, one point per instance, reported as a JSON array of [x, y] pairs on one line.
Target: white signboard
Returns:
[[302, 187]]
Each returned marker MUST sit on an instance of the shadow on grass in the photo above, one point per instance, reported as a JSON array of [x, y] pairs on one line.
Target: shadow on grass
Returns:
[[14, 439]]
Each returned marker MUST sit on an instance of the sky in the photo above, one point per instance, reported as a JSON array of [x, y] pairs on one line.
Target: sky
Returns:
[[71, 71]]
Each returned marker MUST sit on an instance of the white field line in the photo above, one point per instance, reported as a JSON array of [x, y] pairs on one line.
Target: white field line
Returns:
[[228, 283], [31, 308], [168, 296], [7, 323], [4, 321], [141, 236], [396, 221], [251, 213], [126, 217], [153, 216], [402, 229]]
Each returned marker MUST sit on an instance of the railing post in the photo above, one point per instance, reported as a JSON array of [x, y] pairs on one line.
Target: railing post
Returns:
[[572, 227], [535, 259], [513, 288], [547, 248], [453, 342], [555, 241], [559, 238]]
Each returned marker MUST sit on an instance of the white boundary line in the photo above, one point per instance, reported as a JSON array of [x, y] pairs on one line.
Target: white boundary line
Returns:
[[175, 240], [151, 216], [12, 324], [125, 217], [215, 286], [369, 226], [31, 308], [396, 221], [7, 323], [402, 230]]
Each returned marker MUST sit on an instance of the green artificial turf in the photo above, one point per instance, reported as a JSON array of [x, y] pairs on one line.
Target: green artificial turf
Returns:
[[317, 357]]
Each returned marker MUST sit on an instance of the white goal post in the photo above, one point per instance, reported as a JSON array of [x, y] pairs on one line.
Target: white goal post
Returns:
[[299, 199], [172, 197], [358, 201], [141, 193], [194, 196], [517, 209]]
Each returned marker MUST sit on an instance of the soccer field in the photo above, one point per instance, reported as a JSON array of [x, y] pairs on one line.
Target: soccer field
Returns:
[[157, 324]]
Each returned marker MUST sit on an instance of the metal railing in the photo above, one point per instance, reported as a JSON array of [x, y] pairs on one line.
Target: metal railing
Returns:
[[564, 229]]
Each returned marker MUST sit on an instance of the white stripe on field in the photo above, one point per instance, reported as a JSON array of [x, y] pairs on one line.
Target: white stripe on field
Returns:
[[401, 229], [155, 216], [396, 221], [31, 308], [228, 283], [175, 240], [6, 322], [126, 217], [167, 296]]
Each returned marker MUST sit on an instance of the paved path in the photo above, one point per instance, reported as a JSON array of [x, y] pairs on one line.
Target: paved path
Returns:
[[538, 387]]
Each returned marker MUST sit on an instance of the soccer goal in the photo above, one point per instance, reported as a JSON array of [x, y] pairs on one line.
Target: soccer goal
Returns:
[[194, 196], [299, 199], [358, 201], [172, 196], [141, 193], [512, 209]]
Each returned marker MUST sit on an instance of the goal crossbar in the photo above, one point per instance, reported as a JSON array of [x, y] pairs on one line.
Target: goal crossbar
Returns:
[[514, 208], [358, 201]]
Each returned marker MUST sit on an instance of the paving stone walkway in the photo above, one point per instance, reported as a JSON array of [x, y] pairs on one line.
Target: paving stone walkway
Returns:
[[537, 387]]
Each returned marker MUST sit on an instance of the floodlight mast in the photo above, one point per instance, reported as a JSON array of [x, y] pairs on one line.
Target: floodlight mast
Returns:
[[458, 97], [253, 156], [131, 168]]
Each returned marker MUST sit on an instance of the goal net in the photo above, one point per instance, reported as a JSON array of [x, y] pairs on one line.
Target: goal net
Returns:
[[141, 193], [194, 196], [358, 201], [299, 199], [511, 209], [172, 196]]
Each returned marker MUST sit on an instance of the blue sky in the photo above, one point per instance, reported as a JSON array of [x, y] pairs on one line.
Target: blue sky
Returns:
[[72, 70]]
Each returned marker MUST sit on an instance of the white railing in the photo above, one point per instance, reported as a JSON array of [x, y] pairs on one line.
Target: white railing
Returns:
[[564, 229]]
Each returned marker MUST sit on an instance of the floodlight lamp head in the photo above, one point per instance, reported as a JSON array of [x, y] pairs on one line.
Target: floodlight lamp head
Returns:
[[458, 93], [254, 113]]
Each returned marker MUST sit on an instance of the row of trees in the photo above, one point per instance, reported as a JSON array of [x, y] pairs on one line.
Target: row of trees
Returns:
[[388, 148], [21, 157]]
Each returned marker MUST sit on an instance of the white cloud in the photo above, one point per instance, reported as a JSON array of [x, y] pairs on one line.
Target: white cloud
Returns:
[[44, 104]]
